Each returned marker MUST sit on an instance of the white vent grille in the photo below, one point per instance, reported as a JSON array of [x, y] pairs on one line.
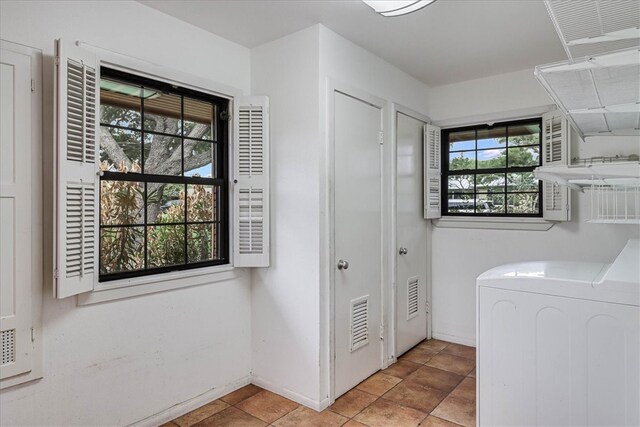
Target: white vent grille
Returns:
[[251, 221], [8, 346], [250, 140], [359, 322], [80, 229], [81, 112], [412, 297], [589, 27]]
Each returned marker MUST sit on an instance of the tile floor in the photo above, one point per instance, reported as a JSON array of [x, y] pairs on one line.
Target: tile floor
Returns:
[[432, 385]]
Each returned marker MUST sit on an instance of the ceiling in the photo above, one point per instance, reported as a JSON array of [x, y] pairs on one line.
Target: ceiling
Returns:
[[447, 42]]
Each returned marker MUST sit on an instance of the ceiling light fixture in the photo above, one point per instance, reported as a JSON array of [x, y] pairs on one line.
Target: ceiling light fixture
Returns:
[[396, 7]]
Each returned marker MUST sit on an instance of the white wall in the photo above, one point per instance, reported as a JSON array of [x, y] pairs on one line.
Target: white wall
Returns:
[[122, 361], [460, 255], [285, 297]]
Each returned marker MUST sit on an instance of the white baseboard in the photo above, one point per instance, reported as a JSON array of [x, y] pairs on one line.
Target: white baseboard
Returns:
[[292, 395], [454, 339], [187, 406]]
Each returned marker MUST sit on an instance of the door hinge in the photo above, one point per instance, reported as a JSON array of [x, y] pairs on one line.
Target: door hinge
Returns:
[[33, 335], [381, 332], [55, 274], [381, 137], [33, 85], [428, 307]]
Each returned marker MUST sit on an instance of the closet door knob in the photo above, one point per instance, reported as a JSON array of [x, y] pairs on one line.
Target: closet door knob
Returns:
[[403, 251], [343, 265]]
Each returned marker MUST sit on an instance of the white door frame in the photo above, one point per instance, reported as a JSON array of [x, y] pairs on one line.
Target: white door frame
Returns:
[[327, 266], [391, 313]]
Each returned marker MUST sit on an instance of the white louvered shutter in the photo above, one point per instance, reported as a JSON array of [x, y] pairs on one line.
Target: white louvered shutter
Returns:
[[432, 172], [556, 204], [251, 181], [76, 119]]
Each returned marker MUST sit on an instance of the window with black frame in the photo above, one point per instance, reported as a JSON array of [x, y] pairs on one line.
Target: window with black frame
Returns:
[[488, 170], [163, 185]]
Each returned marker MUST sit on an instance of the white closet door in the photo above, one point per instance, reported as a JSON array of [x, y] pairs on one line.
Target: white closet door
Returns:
[[411, 235], [15, 222]]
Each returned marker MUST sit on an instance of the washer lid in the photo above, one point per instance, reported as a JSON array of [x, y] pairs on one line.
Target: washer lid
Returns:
[[566, 279]]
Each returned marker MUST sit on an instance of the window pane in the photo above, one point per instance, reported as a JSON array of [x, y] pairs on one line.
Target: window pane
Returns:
[[524, 156], [492, 138], [523, 203], [200, 203], [162, 154], [165, 245], [120, 149], [462, 140], [463, 160], [198, 159], [165, 203], [120, 104], [121, 249], [460, 203], [162, 113], [524, 181], [525, 134], [490, 183], [460, 184], [492, 158], [200, 242], [121, 202], [199, 119], [490, 203]]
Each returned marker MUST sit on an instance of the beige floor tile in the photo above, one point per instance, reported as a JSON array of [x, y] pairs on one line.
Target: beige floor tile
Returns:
[[433, 345], [305, 417], [378, 384], [352, 402], [402, 369], [461, 351], [415, 396], [457, 410], [267, 406], [241, 394], [466, 389], [472, 374], [451, 363], [169, 424], [201, 413], [231, 417], [384, 413], [354, 423], [418, 355], [435, 378], [432, 421]]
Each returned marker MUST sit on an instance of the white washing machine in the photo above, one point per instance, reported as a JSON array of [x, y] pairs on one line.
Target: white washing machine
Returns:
[[559, 343]]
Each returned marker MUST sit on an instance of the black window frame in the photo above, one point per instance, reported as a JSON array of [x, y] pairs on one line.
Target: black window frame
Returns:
[[446, 172], [220, 163]]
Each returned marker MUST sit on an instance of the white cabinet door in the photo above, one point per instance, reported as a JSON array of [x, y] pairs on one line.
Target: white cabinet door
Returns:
[[411, 235], [358, 241]]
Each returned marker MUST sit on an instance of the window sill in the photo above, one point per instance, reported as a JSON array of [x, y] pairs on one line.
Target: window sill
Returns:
[[126, 288], [530, 224]]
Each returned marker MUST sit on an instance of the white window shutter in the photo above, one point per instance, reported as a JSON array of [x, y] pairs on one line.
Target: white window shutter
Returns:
[[556, 204], [432, 172], [77, 113], [251, 181]]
